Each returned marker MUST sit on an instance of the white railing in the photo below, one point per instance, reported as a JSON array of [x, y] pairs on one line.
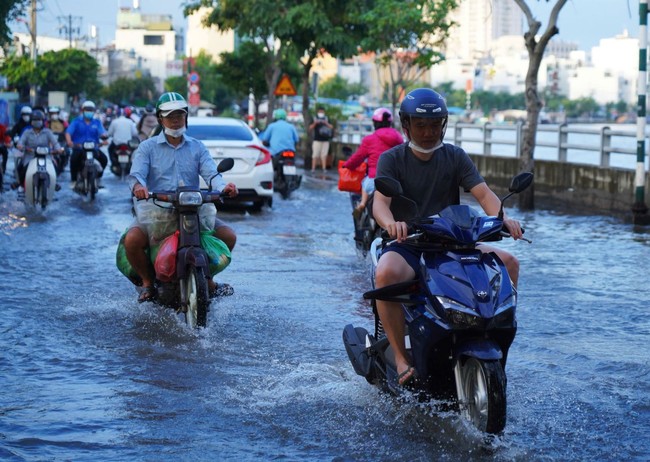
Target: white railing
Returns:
[[591, 144]]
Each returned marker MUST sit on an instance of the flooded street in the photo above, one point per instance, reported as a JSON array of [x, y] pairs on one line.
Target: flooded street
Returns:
[[87, 373]]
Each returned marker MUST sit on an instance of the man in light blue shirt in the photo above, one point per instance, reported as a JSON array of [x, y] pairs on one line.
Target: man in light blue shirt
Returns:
[[163, 163], [280, 135]]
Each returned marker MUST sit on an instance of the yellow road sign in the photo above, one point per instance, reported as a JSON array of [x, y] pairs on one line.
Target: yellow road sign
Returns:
[[285, 87]]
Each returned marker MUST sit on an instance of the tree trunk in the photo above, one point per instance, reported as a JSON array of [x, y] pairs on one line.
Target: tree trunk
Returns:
[[533, 102], [533, 106]]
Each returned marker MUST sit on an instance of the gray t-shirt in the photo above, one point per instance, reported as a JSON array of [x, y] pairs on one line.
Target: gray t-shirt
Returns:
[[432, 184]]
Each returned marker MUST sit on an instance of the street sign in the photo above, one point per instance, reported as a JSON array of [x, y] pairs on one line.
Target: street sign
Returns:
[[193, 77], [285, 87], [194, 99], [194, 88]]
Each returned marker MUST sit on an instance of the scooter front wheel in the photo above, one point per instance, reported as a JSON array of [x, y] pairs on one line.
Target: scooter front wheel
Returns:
[[484, 389], [196, 305], [42, 194]]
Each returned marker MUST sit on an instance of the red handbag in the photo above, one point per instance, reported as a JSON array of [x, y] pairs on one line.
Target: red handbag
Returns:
[[350, 180]]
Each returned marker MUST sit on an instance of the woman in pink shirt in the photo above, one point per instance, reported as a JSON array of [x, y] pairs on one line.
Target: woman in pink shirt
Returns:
[[372, 146]]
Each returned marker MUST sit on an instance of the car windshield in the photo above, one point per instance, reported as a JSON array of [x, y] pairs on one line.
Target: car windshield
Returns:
[[219, 132]]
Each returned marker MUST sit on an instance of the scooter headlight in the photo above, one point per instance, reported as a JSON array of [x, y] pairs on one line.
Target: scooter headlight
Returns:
[[190, 198], [88, 145], [42, 150], [505, 313], [459, 316]]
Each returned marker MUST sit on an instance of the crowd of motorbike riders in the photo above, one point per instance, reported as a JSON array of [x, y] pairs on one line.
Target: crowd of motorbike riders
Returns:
[[50, 126]]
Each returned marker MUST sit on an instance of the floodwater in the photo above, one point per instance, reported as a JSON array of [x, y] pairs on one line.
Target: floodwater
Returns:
[[87, 373]]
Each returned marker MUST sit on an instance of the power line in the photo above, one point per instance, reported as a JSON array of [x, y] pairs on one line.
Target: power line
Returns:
[[67, 28]]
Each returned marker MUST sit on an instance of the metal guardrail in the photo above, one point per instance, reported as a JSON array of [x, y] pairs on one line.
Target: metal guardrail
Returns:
[[563, 143]]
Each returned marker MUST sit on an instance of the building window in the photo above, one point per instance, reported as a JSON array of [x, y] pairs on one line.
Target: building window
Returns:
[[154, 40]]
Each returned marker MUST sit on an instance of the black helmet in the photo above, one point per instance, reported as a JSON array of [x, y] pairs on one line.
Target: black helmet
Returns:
[[424, 103], [37, 114]]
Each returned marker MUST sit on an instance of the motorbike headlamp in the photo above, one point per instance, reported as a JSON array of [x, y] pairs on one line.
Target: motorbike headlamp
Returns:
[[190, 198], [459, 315], [42, 150], [89, 145], [505, 312]]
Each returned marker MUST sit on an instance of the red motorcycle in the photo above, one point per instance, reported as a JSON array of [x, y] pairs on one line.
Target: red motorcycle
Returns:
[[121, 158]]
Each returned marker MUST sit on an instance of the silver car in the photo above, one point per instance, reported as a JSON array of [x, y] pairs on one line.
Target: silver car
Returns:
[[253, 170]]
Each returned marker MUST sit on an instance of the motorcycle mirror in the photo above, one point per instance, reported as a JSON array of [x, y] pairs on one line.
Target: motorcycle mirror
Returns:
[[403, 208], [518, 184], [389, 187], [225, 165], [521, 182]]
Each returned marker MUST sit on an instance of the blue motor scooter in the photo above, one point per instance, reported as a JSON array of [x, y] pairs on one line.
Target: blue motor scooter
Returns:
[[459, 312]]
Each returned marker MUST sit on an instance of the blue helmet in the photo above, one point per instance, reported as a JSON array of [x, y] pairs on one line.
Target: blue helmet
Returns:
[[425, 103]]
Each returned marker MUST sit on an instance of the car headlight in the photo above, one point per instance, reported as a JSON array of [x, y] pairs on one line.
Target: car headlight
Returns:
[[190, 198], [460, 316]]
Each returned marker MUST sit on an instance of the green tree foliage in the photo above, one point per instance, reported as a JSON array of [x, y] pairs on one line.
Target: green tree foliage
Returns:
[[408, 40], [338, 87], [582, 107], [125, 91], [213, 87], [285, 27], [70, 70], [209, 82], [177, 84], [19, 71], [247, 69], [10, 10]]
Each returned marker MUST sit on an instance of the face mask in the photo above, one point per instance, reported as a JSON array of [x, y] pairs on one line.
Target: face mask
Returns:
[[37, 123], [88, 114], [177, 133], [417, 148], [26, 118], [54, 117], [321, 115]]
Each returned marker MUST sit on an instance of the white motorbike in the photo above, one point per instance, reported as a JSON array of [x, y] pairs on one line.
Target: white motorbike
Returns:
[[40, 179]]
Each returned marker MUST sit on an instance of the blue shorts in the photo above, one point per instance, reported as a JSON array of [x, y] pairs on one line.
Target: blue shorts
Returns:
[[408, 253]]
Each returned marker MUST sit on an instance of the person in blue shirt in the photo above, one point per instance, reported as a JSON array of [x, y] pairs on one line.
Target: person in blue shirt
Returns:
[[162, 163], [280, 135], [85, 128]]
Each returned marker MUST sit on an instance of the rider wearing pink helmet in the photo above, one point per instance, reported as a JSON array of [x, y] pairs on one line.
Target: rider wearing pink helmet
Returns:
[[382, 114], [372, 146]]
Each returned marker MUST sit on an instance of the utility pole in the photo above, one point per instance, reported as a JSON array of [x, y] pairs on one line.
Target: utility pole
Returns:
[[639, 208], [67, 28], [32, 31]]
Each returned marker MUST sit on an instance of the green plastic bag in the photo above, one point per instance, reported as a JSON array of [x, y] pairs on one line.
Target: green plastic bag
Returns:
[[218, 255], [218, 252], [123, 263]]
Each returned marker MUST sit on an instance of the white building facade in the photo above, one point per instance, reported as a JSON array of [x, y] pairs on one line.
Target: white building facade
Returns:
[[150, 40], [210, 40]]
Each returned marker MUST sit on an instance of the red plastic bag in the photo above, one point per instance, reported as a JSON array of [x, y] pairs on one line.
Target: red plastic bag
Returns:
[[165, 263], [350, 180]]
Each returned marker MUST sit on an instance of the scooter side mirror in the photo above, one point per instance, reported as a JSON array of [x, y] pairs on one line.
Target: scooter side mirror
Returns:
[[225, 165], [389, 187], [403, 208], [520, 182]]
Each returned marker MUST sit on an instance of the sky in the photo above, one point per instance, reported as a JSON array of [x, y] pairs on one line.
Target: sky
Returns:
[[584, 22]]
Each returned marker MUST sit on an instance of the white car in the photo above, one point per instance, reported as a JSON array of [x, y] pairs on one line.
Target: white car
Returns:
[[229, 137]]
